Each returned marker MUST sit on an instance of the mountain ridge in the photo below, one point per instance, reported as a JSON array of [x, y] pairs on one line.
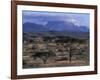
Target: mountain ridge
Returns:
[[53, 26]]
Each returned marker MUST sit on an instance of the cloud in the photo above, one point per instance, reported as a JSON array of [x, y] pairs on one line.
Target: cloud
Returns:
[[42, 13], [42, 17], [74, 21]]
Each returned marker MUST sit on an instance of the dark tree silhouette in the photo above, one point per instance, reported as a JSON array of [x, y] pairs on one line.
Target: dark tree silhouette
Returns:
[[71, 49], [44, 56]]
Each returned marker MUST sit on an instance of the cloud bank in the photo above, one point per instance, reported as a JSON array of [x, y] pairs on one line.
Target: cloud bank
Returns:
[[42, 17]]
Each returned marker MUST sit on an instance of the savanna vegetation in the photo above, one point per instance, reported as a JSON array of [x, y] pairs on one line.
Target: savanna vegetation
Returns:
[[56, 51]]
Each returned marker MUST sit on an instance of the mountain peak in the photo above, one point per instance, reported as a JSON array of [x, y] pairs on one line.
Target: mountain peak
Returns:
[[54, 26]]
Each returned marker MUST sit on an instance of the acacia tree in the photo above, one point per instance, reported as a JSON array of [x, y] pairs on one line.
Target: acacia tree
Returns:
[[43, 56], [71, 49]]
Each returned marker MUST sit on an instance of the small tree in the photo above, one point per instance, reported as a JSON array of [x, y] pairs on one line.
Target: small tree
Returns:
[[43, 55], [71, 49]]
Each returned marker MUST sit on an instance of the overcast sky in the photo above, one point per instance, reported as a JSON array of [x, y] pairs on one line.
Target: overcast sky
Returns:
[[42, 17]]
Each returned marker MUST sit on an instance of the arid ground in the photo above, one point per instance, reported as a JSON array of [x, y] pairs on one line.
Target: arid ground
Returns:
[[54, 51]]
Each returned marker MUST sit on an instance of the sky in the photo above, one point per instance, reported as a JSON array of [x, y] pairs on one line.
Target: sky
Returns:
[[42, 17]]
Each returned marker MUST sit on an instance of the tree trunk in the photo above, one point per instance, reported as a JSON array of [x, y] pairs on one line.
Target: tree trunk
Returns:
[[44, 61], [70, 56]]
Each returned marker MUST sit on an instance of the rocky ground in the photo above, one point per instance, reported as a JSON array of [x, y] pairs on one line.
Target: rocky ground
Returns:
[[55, 52]]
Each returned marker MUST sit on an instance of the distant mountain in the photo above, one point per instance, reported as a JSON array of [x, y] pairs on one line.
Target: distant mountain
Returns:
[[61, 26], [65, 26], [32, 27], [83, 29], [54, 26]]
